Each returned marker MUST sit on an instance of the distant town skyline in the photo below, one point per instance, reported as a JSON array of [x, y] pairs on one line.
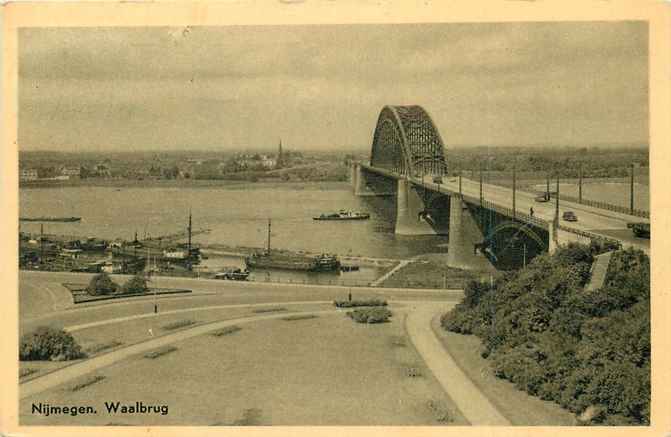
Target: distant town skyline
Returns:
[[319, 87]]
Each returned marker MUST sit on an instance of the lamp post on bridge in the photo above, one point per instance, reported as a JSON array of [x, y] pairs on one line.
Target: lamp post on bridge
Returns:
[[631, 190], [481, 196], [514, 189], [580, 185], [547, 187], [460, 195], [557, 203]]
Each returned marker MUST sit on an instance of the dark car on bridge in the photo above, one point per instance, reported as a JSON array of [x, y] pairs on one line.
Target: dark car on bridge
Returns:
[[545, 197], [570, 216], [438, 179]]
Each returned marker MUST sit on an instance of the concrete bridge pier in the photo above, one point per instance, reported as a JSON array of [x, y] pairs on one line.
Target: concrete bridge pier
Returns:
[[464, 233], [357, 179], [365, 183], [409, 206]]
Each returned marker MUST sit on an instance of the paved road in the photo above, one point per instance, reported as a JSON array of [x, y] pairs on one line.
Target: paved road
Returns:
[[477, 409], [213, 294], [591, 219], [37, 307]]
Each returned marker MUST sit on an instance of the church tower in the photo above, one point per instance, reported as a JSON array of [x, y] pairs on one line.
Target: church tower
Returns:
[[279, 155]]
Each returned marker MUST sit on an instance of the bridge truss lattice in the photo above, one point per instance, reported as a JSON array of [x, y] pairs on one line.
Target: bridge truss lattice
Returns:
[[407, 142]]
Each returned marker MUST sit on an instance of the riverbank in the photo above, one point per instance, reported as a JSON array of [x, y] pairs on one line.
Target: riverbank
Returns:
[[242, 252], [185, 183]]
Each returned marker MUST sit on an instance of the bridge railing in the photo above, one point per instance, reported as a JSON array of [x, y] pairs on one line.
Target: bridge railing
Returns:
[[590, 235], [604, 205], [507, 212]]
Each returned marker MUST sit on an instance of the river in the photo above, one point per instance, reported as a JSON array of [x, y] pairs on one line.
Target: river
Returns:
[[235, 217]]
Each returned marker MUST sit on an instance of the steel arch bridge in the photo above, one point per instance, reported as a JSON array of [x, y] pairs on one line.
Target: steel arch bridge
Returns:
[[407, 142]]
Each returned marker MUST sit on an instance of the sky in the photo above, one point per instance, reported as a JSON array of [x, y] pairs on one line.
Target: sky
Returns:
[[322, 87]]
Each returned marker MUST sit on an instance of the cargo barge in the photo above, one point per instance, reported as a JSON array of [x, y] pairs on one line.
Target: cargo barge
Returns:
[[50, 219], [283, 260]]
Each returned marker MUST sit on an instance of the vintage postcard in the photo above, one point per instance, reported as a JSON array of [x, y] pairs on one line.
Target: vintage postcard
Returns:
[[335, 215]]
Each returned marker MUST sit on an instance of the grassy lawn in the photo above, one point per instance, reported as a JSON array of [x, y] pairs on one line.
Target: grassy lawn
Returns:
[[326, 370], [104, 338], [519, 407], [610, 192], [427, 274]]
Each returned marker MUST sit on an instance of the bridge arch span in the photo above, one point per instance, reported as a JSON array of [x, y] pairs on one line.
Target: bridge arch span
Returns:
[[407, 142], [517, 228]]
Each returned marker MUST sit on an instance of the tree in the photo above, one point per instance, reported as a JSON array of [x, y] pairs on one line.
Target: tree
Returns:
[[136, 284], [47, 343], [101, 284]]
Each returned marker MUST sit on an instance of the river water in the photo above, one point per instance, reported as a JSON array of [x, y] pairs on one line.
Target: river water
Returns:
[[235, 217]]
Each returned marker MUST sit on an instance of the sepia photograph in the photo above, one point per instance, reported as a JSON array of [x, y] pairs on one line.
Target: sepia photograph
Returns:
[[436, 224]]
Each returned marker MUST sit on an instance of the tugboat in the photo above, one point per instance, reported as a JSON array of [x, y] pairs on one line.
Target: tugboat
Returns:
[[343, 215], [277, 259]]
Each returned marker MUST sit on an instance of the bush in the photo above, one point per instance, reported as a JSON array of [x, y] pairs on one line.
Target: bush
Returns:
[[47, 343], [101, 284], [136, 284], [160, 352], [360, 303], [587, 351], [370, 315], [178, 324], [228, 330]]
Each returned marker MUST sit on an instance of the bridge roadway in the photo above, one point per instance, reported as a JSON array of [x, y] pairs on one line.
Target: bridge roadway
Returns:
[[597, 221]]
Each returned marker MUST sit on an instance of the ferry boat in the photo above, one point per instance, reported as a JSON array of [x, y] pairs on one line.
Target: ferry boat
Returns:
[[343, 215]]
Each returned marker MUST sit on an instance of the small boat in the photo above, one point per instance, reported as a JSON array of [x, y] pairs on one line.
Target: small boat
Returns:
[[50, 219], [234, 274], [343, 215]]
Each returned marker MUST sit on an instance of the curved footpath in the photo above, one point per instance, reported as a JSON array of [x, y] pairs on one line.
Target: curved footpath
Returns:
[[475, 407], [68, 373]]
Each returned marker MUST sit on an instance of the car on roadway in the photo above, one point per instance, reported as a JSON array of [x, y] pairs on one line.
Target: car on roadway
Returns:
[[437, 179], [570, 216], [545, 197]]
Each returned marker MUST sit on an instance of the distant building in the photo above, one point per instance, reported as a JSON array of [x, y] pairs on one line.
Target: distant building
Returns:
[[70, 253], [176, 253], [268, 162], [71, 172], [28, 174], [103, 169]]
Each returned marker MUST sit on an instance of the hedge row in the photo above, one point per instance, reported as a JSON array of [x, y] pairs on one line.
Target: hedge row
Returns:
[[360, 303], [370, 315]]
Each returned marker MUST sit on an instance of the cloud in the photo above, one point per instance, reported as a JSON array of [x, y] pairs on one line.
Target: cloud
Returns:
[[172, 87]]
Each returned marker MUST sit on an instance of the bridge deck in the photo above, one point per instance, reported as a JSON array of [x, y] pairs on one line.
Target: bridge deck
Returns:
[[609, 224]]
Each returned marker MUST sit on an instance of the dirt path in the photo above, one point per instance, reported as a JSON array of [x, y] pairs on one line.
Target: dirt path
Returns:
[[477, 409], [384, 277]]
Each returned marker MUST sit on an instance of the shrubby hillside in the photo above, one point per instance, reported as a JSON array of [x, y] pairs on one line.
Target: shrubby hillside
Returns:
[[587, 351]]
